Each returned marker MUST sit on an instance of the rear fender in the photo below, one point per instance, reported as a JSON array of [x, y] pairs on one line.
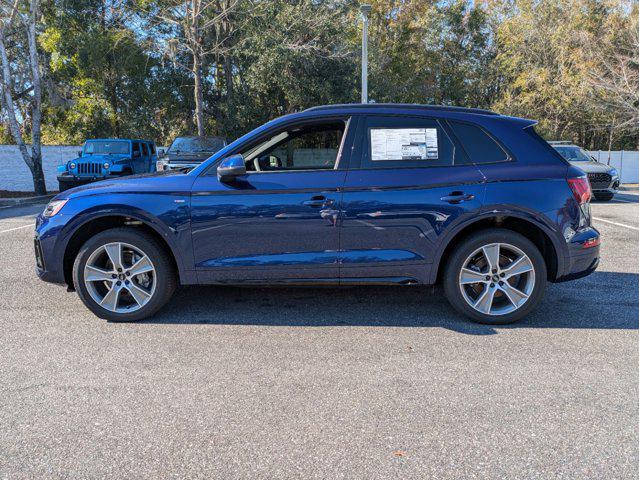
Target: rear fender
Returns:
[[494, 212]]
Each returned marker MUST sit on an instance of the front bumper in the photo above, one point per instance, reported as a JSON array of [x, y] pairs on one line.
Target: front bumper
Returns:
[[162, 165], [611, 186], [48, 254], [79, 180]]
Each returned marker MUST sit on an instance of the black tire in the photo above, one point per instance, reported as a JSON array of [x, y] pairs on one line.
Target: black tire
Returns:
[[462, 251], [604, 196], [165, 275]]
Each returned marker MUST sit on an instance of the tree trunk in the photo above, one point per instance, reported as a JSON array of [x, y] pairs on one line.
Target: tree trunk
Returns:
[[33, 159], [198, 94], [39, 184]]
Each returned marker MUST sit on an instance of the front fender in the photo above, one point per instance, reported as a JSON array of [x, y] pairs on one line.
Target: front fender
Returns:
[[166, 214], [118, 168]]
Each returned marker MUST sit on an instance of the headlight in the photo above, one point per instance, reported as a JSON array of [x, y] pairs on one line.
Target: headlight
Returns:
[[54, 207], [106, 165], [613, 172], [72, 165]]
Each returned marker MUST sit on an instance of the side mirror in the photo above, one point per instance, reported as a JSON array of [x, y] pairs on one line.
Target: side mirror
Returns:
[[79, 153], [136, 154], [230, 168], [161, 152]]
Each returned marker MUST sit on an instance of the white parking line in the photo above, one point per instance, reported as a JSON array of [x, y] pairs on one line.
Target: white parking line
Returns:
[[616, 223], [17, 228]]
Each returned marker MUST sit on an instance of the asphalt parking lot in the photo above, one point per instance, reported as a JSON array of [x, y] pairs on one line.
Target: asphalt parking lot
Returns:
[[325, 383]]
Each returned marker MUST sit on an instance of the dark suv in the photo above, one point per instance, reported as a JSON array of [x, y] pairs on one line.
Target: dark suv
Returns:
[[189, 152], [338, 195]]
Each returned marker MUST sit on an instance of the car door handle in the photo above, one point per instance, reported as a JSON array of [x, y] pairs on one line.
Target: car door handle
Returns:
[[457, 197], [318, 201]]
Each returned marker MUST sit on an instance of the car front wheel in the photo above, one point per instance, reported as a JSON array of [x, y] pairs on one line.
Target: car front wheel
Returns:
[[495, 277], [123, 275]]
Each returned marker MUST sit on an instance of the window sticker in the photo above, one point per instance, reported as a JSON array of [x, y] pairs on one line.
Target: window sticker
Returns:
[[404, 144]]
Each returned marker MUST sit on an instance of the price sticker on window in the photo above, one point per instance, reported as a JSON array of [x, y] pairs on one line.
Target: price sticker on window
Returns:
[[404, 144]]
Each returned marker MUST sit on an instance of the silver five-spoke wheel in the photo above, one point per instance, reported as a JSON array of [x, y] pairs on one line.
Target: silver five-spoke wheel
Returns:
[[497, 279], [120, 277]]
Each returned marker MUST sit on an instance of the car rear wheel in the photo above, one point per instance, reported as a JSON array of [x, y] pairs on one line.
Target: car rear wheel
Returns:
[[123, 275], [604, 196], [495, 277]]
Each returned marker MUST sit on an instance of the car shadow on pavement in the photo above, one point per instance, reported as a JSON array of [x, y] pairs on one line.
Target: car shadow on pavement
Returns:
[[604, 300]]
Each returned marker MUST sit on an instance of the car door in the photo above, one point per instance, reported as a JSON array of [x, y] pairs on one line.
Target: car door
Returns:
[[409, 183], [145, 159], [136, 157], [280, 220], [153, 157]]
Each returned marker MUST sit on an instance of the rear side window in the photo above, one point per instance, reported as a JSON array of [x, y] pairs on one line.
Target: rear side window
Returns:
[[480, 147], [406, 142]]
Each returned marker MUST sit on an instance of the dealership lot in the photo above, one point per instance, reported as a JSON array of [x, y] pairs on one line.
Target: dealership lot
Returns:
[[322, 383]]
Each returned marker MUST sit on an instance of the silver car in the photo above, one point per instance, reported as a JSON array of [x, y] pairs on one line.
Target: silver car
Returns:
[[604, 179]]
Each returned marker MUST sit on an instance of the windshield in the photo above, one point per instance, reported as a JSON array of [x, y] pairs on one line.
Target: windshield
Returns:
[[196, 144], [108, 147], [573, 154]]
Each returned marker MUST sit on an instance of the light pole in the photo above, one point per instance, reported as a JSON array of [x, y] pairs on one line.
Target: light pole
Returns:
[[365, 9]]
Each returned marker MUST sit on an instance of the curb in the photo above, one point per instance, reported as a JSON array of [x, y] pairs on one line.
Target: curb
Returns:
[[22, 201]]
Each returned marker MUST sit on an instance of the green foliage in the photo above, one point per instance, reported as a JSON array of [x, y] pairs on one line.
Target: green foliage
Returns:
[[113, 68]]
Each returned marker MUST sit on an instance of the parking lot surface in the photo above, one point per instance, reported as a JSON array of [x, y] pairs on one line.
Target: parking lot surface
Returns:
[[322, 383]]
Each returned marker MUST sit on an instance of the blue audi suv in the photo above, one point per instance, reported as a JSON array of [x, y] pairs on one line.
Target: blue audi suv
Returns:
[[339, 195]]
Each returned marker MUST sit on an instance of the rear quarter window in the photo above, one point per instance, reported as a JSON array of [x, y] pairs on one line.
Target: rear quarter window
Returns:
[[479, 145]]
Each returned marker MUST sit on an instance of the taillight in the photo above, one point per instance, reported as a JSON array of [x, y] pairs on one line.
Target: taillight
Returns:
[[580, 187], [591, 242]]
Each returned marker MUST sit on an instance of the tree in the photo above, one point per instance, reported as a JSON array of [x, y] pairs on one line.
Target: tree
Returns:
[[104, 79], [189, 32], [615, 77], [21, 82]]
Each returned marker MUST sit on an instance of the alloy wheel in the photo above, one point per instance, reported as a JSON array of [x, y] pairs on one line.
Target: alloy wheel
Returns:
[[120, 277], [497, 279]]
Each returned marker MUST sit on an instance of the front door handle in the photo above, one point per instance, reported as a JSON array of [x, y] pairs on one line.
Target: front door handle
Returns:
[[318, 201], [457, 197]]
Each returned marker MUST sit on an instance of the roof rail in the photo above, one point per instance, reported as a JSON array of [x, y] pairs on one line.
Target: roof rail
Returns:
[[560, 142], [415, 106]]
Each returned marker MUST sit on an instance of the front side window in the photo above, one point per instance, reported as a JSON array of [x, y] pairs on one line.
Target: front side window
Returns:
[[406, 142], [106, 147], [312, 147], [479, 146], [136, 148], [145, 150]]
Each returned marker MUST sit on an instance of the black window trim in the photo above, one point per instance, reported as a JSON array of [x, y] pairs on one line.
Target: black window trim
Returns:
[[347, 119], [509, 156]]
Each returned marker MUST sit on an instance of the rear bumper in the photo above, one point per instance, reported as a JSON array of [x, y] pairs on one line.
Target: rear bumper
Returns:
[[582, 259]]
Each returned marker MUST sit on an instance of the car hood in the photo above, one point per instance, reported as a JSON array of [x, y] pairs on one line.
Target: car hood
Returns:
[[185, 157], [158, 182], [100, 158], [593, 167]]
